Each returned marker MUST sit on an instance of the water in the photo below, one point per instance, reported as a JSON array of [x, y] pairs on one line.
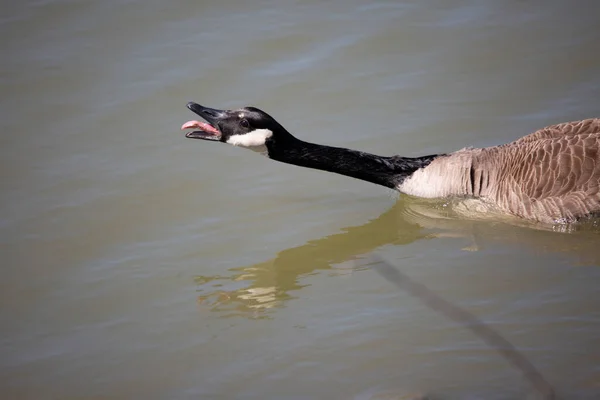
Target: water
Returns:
[[140, 264]]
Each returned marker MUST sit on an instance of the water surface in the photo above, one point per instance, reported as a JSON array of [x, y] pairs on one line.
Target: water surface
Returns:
[[140, 264]]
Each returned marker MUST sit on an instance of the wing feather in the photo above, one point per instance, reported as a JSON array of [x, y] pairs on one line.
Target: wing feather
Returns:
[[550, 175]]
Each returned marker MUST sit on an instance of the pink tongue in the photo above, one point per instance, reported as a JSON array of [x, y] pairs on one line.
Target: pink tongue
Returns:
[[203, 126]]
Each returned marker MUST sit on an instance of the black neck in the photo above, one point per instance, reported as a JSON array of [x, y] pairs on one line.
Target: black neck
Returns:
[[385, 171]]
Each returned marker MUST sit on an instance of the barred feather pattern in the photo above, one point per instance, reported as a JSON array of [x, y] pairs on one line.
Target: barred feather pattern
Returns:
[[551, 175]]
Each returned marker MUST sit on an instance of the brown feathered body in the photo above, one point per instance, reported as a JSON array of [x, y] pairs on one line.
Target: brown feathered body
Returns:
[[551, 175]]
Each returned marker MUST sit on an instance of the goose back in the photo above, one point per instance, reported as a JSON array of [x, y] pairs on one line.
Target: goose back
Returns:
[[551, 175]]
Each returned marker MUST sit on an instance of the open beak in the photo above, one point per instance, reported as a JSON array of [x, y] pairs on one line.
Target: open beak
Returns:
[[208, 130]]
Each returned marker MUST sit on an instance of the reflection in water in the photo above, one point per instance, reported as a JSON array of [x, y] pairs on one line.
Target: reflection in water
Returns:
[[255, 289], [272, 281]]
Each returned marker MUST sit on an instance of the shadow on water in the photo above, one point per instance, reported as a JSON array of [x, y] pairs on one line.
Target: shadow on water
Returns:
[[253, 290], [470, 322]]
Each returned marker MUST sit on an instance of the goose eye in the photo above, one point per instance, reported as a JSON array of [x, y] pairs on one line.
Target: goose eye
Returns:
[[244, 123]]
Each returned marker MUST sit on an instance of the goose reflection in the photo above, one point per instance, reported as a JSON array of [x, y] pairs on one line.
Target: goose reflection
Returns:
[[270, 283], [254, 290]]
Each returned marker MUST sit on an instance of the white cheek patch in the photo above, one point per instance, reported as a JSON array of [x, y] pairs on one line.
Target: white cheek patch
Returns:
[[254, 140]]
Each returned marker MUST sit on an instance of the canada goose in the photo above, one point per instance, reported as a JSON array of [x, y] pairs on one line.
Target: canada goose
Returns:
[[551, 175]]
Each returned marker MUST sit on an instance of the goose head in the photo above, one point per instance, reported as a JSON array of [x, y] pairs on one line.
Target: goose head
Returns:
[[246, 127], [254, 129]]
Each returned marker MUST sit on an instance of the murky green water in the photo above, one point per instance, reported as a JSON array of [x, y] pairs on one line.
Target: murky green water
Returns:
[[140, 264]]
